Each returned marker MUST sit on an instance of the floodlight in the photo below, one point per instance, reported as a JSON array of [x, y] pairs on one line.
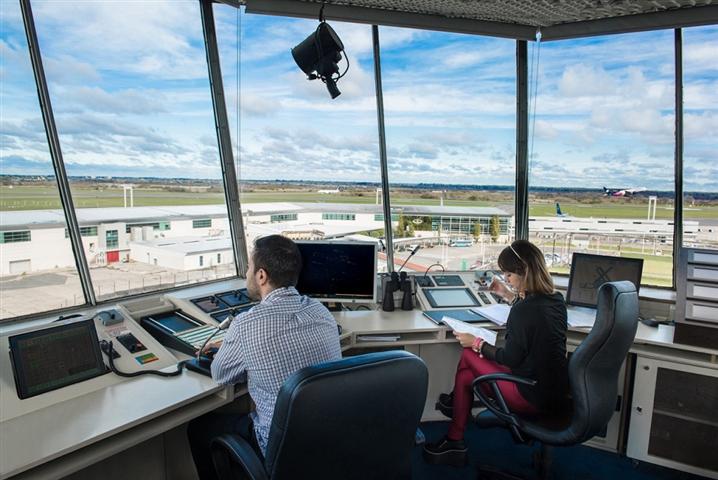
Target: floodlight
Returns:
[[320, 52]]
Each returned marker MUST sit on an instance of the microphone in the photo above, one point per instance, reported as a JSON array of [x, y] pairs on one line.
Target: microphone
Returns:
[[414, 250]]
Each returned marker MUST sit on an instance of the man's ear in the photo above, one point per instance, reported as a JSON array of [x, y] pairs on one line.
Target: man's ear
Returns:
[[262, 277]]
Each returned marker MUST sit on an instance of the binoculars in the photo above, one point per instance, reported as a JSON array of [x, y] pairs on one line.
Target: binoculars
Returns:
[[397, 282]]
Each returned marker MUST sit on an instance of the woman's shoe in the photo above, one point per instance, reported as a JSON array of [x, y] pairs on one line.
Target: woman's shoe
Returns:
[[445, 404], [446, 452]]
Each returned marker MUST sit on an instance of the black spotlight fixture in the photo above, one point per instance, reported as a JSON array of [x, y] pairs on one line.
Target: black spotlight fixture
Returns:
[[318, 55]]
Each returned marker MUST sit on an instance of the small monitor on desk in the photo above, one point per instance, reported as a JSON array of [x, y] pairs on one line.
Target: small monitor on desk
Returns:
[[589, 272], [55, 357], [450, 297], [338, 271]]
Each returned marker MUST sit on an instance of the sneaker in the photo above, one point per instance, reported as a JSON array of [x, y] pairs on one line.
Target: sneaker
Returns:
[[446, 452]]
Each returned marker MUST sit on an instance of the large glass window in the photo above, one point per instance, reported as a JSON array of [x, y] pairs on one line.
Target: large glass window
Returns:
[[700, 151], [601, 151], [451, 132], [37, 267], [132, 103], [303, 156]]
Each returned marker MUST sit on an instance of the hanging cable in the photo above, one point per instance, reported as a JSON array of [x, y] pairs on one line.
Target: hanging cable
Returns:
[[533, 77]]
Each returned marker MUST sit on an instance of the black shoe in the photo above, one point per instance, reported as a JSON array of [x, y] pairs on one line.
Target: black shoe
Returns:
[[446, 452], [445, 404]]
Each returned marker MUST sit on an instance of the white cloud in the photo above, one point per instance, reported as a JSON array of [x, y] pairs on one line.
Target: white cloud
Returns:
[[585, 80]]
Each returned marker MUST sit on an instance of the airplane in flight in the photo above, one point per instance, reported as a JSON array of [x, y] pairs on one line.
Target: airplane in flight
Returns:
[[622, 192]]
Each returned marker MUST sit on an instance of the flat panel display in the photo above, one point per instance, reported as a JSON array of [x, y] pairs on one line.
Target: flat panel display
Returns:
[[209, 304], [589, 272], [52, 358], [338, 271], [235, 297], [175, 322], [450, 297]]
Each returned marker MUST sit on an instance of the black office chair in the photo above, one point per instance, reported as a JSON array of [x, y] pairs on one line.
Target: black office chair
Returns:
[[353, 418], [593, 376]]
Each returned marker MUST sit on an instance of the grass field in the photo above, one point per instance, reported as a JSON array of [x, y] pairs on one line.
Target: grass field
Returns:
[[24, 197]]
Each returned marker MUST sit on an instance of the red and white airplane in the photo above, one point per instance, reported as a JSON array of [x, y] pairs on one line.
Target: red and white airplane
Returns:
[[622, 192]]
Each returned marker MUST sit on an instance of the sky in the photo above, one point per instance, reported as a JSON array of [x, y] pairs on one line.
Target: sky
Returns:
[[130, 92]]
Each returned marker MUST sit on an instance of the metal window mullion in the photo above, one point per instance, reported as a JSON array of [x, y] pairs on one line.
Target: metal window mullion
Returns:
[[58, 163], [224, 139], [386, 204], [678, 156], [522, 128]]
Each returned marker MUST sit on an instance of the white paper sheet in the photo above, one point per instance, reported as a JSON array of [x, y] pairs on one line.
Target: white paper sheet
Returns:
[[463, 327], [497, 313], [581, 319]]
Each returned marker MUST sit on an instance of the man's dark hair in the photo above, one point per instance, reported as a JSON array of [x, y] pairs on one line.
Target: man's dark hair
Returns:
[[280, 258]]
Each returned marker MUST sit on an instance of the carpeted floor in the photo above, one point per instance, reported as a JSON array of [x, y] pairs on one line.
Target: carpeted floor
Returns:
[[495, 447]]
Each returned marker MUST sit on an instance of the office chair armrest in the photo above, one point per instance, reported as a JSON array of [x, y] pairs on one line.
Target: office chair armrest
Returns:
[[230, 448], [502, 410]]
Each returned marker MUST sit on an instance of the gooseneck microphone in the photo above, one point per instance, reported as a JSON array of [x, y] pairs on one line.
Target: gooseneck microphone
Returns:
[[413, 251]]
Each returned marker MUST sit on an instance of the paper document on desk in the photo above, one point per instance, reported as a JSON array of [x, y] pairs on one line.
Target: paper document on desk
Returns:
[[581, 319], [463, 327], [497, 313]]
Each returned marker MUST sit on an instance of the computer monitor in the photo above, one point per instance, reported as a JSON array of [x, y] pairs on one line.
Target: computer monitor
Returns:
[[339, 271], [589, 272], [55, 357]]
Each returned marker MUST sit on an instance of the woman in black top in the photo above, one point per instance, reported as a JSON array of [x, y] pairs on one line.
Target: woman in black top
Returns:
[[535, 348]]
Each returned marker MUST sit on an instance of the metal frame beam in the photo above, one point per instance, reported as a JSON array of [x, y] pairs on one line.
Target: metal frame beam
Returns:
[[522, 135], [676, 18], [224, 139], [391, 18], [386, 203], [58, 164], [684, 17], [678, 155]]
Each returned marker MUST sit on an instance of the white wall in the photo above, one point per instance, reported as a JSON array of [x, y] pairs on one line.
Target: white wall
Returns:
[[57, 251]]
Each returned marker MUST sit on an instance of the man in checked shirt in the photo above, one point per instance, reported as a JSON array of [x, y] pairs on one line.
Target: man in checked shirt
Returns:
[[285, 332]]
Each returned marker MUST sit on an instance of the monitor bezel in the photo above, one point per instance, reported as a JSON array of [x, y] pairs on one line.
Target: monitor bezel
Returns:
[[19, 369], [374, 245], [589, 256]]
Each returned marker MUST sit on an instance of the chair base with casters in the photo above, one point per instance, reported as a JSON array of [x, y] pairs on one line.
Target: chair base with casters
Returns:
[[541, 458], [593, 371]]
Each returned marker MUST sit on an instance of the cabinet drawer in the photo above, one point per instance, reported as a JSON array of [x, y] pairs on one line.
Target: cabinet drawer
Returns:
[[703, 311], [699, 272], [709, 258], [698, 290]]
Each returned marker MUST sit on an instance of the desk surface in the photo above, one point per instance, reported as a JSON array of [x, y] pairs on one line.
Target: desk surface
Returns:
[[54, 431], [58, 430]]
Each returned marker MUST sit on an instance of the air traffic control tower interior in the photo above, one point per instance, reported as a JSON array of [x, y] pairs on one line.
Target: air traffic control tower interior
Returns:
[[403, 145]]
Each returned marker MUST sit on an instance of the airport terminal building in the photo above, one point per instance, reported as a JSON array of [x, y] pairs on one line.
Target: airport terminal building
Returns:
[[197, 237]]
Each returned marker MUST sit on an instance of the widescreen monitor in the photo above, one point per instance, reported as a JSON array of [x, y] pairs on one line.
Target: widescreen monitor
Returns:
[[589, 272], [338, 271]]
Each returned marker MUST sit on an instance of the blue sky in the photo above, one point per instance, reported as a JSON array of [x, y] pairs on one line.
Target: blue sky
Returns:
[[129, 86]]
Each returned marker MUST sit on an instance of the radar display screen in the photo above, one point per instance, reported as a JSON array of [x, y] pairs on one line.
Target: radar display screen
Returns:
[[52, 358]]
